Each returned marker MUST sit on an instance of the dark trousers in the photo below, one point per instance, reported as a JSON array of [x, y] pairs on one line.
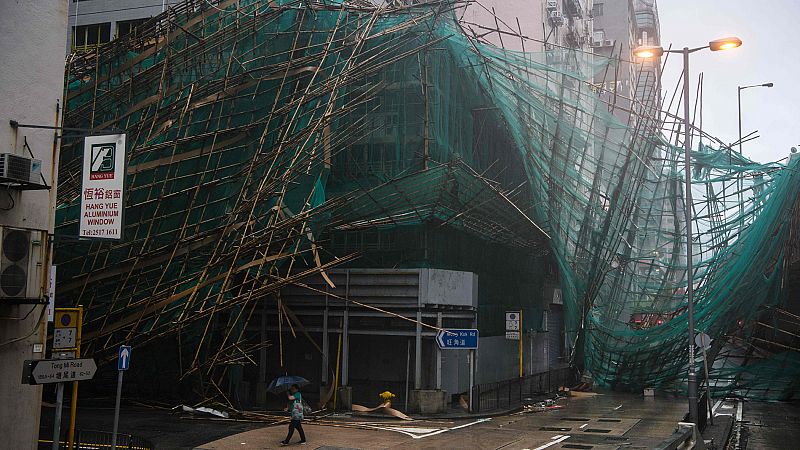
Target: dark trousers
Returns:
[[298, 425]]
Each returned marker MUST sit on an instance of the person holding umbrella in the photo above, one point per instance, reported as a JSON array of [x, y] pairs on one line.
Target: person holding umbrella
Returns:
[[296, 409]]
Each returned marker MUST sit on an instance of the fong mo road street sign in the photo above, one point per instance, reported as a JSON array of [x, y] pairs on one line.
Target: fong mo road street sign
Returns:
[[457, 339]]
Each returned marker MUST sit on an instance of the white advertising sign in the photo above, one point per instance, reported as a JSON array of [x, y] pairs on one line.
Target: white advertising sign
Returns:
[[51, 295], [102, 188]]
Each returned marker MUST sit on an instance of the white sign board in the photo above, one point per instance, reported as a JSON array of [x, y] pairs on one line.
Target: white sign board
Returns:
[[102, 187], [512, 325], [65, 338], [61, 370], [51, 295], [702, 340]]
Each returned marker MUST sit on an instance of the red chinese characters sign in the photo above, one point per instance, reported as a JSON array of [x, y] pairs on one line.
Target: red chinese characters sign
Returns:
[[103, 187]]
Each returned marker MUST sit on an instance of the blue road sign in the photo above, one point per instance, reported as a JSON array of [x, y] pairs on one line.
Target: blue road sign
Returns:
[[457, 339], [124, 361]]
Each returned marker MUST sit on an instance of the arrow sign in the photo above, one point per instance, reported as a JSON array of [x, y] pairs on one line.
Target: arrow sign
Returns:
[[124, 361], [457, 339], [44, 371]]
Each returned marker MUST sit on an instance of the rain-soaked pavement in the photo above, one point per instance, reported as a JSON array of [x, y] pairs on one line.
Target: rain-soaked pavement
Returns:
[[601, 421]]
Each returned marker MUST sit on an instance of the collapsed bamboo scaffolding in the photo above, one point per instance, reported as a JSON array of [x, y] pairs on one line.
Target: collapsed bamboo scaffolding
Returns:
[[238, 112]]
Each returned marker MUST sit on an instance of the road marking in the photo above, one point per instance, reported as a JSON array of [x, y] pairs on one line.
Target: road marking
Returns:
[[561, 439], [584, 425], [716, 405], [556, 437], [431, 433]]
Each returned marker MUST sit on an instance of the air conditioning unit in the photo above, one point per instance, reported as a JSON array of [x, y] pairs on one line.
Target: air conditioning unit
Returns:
[[552, 5], [608, 42], [21, 259], [597, 43], [20, 169]]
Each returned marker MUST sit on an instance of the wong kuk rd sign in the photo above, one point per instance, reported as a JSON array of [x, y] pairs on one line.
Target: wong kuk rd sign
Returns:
[[102, 186]]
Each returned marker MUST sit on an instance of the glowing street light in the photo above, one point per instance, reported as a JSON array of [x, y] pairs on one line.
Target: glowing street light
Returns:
[[649, 52]]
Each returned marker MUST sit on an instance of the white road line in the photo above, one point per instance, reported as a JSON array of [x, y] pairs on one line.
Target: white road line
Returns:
[[716, 405], [739, 411], [584, 425], [434, 433], [562, 438], [556, 437]]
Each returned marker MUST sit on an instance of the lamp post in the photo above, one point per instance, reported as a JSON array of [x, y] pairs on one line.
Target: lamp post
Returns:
[[739, 90], [647, 52]]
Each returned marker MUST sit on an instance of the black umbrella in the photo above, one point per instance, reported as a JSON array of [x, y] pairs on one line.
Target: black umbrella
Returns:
[[283, 383]]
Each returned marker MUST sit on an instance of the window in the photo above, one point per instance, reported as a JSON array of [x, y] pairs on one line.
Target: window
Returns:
[[88, 37], [597, 10], [126, 27]]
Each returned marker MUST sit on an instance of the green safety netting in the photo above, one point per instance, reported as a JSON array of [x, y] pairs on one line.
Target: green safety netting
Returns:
[[256, 127]]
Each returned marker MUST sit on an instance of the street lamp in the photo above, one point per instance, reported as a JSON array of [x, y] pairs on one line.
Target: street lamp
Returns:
[[739, 90], [647, 52]]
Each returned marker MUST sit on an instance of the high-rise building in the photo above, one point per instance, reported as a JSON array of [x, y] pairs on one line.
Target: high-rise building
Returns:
[[619, 27], [95, 22], [547, 23]]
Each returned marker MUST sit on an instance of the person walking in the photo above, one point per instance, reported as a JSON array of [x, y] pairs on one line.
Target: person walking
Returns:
[[296, 409]]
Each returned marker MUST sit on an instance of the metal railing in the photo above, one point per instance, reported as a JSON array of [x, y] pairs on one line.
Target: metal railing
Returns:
[[510, 394], [101, 440]]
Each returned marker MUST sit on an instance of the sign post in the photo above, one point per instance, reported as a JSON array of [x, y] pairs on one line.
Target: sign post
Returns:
[[68, 323], [514, 332], [123, 363], [57, 419]]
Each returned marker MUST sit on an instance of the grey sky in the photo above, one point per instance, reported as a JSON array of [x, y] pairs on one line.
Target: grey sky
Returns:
[[769, 31]]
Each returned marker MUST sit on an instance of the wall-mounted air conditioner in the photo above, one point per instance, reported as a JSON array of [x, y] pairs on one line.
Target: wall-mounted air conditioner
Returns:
[[20, 169], [21, 264], [552, 5]]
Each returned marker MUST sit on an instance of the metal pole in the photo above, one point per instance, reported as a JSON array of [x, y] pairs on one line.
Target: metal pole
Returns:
[[74, 400], [57, 418], [520, 343], [408, 368], [687, 146], [708, 386], [471, 377], [438, 356], [116, 410], [418, 353], [739, 102]]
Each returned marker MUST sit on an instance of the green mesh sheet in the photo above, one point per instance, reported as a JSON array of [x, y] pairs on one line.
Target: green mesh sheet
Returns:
[[255, 126]]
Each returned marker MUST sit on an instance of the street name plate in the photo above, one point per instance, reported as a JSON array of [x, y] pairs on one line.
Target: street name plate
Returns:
[[44, 371], [457, 339]]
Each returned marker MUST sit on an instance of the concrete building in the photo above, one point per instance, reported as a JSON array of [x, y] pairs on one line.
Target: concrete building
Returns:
[[547, 24], [31, 86], [619, 27], [95, 22]]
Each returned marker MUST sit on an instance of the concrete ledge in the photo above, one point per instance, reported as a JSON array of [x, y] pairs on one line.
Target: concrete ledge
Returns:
[[344, 398], [427, 401]]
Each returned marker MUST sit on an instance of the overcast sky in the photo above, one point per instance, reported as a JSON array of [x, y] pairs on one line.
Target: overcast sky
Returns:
[[770, 53]]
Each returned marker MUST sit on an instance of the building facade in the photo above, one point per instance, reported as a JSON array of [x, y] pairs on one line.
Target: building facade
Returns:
[[96, 22], [31, 85]]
